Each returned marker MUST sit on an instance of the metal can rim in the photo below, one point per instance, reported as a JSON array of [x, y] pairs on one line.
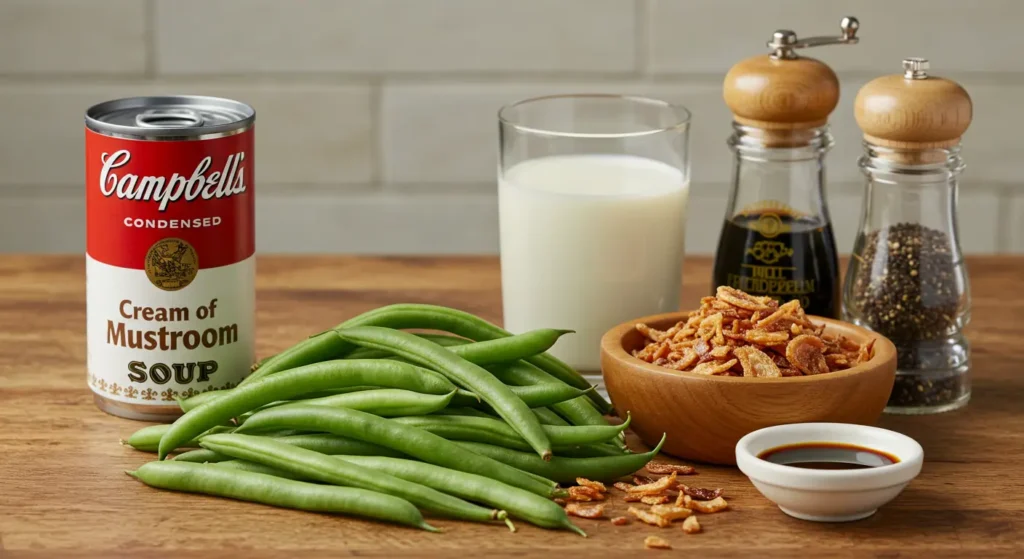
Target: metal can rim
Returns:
[[95, 112]]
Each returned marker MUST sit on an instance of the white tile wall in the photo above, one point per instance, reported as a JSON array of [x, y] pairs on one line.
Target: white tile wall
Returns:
[[376, 126], [1013, 228], [956, 35], [376, 36], [382, 224], [305, 133], [72, 37]]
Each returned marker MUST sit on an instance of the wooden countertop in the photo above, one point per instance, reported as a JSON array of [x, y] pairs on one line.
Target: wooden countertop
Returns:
[[63, 493]]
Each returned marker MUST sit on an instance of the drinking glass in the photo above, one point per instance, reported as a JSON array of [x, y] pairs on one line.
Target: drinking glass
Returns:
[[592, 196]]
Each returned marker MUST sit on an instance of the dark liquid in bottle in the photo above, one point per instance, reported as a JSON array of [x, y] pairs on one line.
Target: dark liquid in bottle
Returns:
[[773, 252]]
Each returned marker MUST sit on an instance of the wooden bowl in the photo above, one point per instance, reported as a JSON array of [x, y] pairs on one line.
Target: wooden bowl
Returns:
[[705, 416]]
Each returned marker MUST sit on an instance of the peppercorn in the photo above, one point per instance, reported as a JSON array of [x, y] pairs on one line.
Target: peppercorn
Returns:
[[907, 285]]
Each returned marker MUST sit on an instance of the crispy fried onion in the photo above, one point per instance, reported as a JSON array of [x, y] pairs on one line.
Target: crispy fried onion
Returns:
[[738, 334], [656, 487], [691, 525], [664, 468], [648, 517], [654, 542], [585, 511]]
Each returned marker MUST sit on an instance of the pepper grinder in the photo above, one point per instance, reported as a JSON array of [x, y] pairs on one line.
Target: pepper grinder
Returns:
[[777, 237], [907, 279]]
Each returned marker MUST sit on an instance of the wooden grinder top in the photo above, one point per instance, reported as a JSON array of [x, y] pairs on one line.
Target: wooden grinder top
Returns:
[[913, 111], [785, 92]]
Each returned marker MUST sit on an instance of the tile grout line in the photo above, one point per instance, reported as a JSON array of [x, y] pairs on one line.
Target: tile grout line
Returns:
[[482, 77]]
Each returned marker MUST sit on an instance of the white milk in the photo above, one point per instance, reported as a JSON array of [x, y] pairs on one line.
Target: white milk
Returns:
[[587, 242]]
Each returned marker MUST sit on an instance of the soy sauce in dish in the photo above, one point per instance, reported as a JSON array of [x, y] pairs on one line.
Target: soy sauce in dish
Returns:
[[828, 456]]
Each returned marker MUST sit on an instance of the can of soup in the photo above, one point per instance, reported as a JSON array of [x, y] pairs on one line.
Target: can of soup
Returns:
[[170, 243]]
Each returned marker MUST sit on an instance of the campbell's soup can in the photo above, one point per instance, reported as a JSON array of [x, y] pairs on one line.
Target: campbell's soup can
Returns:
[[170, 243]]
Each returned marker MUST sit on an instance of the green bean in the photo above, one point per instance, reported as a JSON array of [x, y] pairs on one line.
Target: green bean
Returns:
[[385, 402], [520, 504], [396, 436], [504, 436], [314, 349], [589, 451], [548, 417], [320, 467], [535, 396], [468, 326], [442, 340], [295, 382], [269, 490], [567, 469], [201, 456], [247, 466], [480, 429], [147, 439], [491, 390], [577, 411], [189, 404], [321, 347], [319, 442], [473, 412], [511, 348]]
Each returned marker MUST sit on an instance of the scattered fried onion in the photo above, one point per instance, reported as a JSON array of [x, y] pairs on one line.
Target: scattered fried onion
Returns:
[[622, 486], [664, 468], [585, 511], [584, 493], [700, 493], [648, 517], [691, 525], [707, 507], [654, 542], [620, 521], [654, 499], [671, 512], [655, 488], [596, 485]]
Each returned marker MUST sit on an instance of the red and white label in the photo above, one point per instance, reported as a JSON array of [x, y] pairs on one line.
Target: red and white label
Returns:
[[170, 239]]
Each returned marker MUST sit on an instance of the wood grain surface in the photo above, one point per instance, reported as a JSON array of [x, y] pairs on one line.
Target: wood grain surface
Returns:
[[63, 493]]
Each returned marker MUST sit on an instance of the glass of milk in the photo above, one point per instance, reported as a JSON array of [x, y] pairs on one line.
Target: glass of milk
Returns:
[[592, 201]]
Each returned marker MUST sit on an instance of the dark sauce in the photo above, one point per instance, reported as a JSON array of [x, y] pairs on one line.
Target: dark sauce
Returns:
[[828, 456], [773, 252]]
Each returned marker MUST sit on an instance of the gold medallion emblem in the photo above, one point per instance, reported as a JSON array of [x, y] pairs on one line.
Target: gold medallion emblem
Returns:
[[770, 252], [171, 264], [769, 225]]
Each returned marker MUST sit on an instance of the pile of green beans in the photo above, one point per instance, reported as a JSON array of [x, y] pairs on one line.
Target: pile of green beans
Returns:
[[473, 423]]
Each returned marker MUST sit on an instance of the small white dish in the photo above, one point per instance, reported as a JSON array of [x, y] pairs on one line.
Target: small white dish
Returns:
[[829, 495]]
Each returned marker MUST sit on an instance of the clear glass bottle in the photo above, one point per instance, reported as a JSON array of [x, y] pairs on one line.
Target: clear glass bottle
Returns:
[[777, 239], [777, 236], [907, 279]]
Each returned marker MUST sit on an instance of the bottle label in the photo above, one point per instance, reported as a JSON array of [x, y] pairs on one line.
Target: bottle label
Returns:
[[782, 256]]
